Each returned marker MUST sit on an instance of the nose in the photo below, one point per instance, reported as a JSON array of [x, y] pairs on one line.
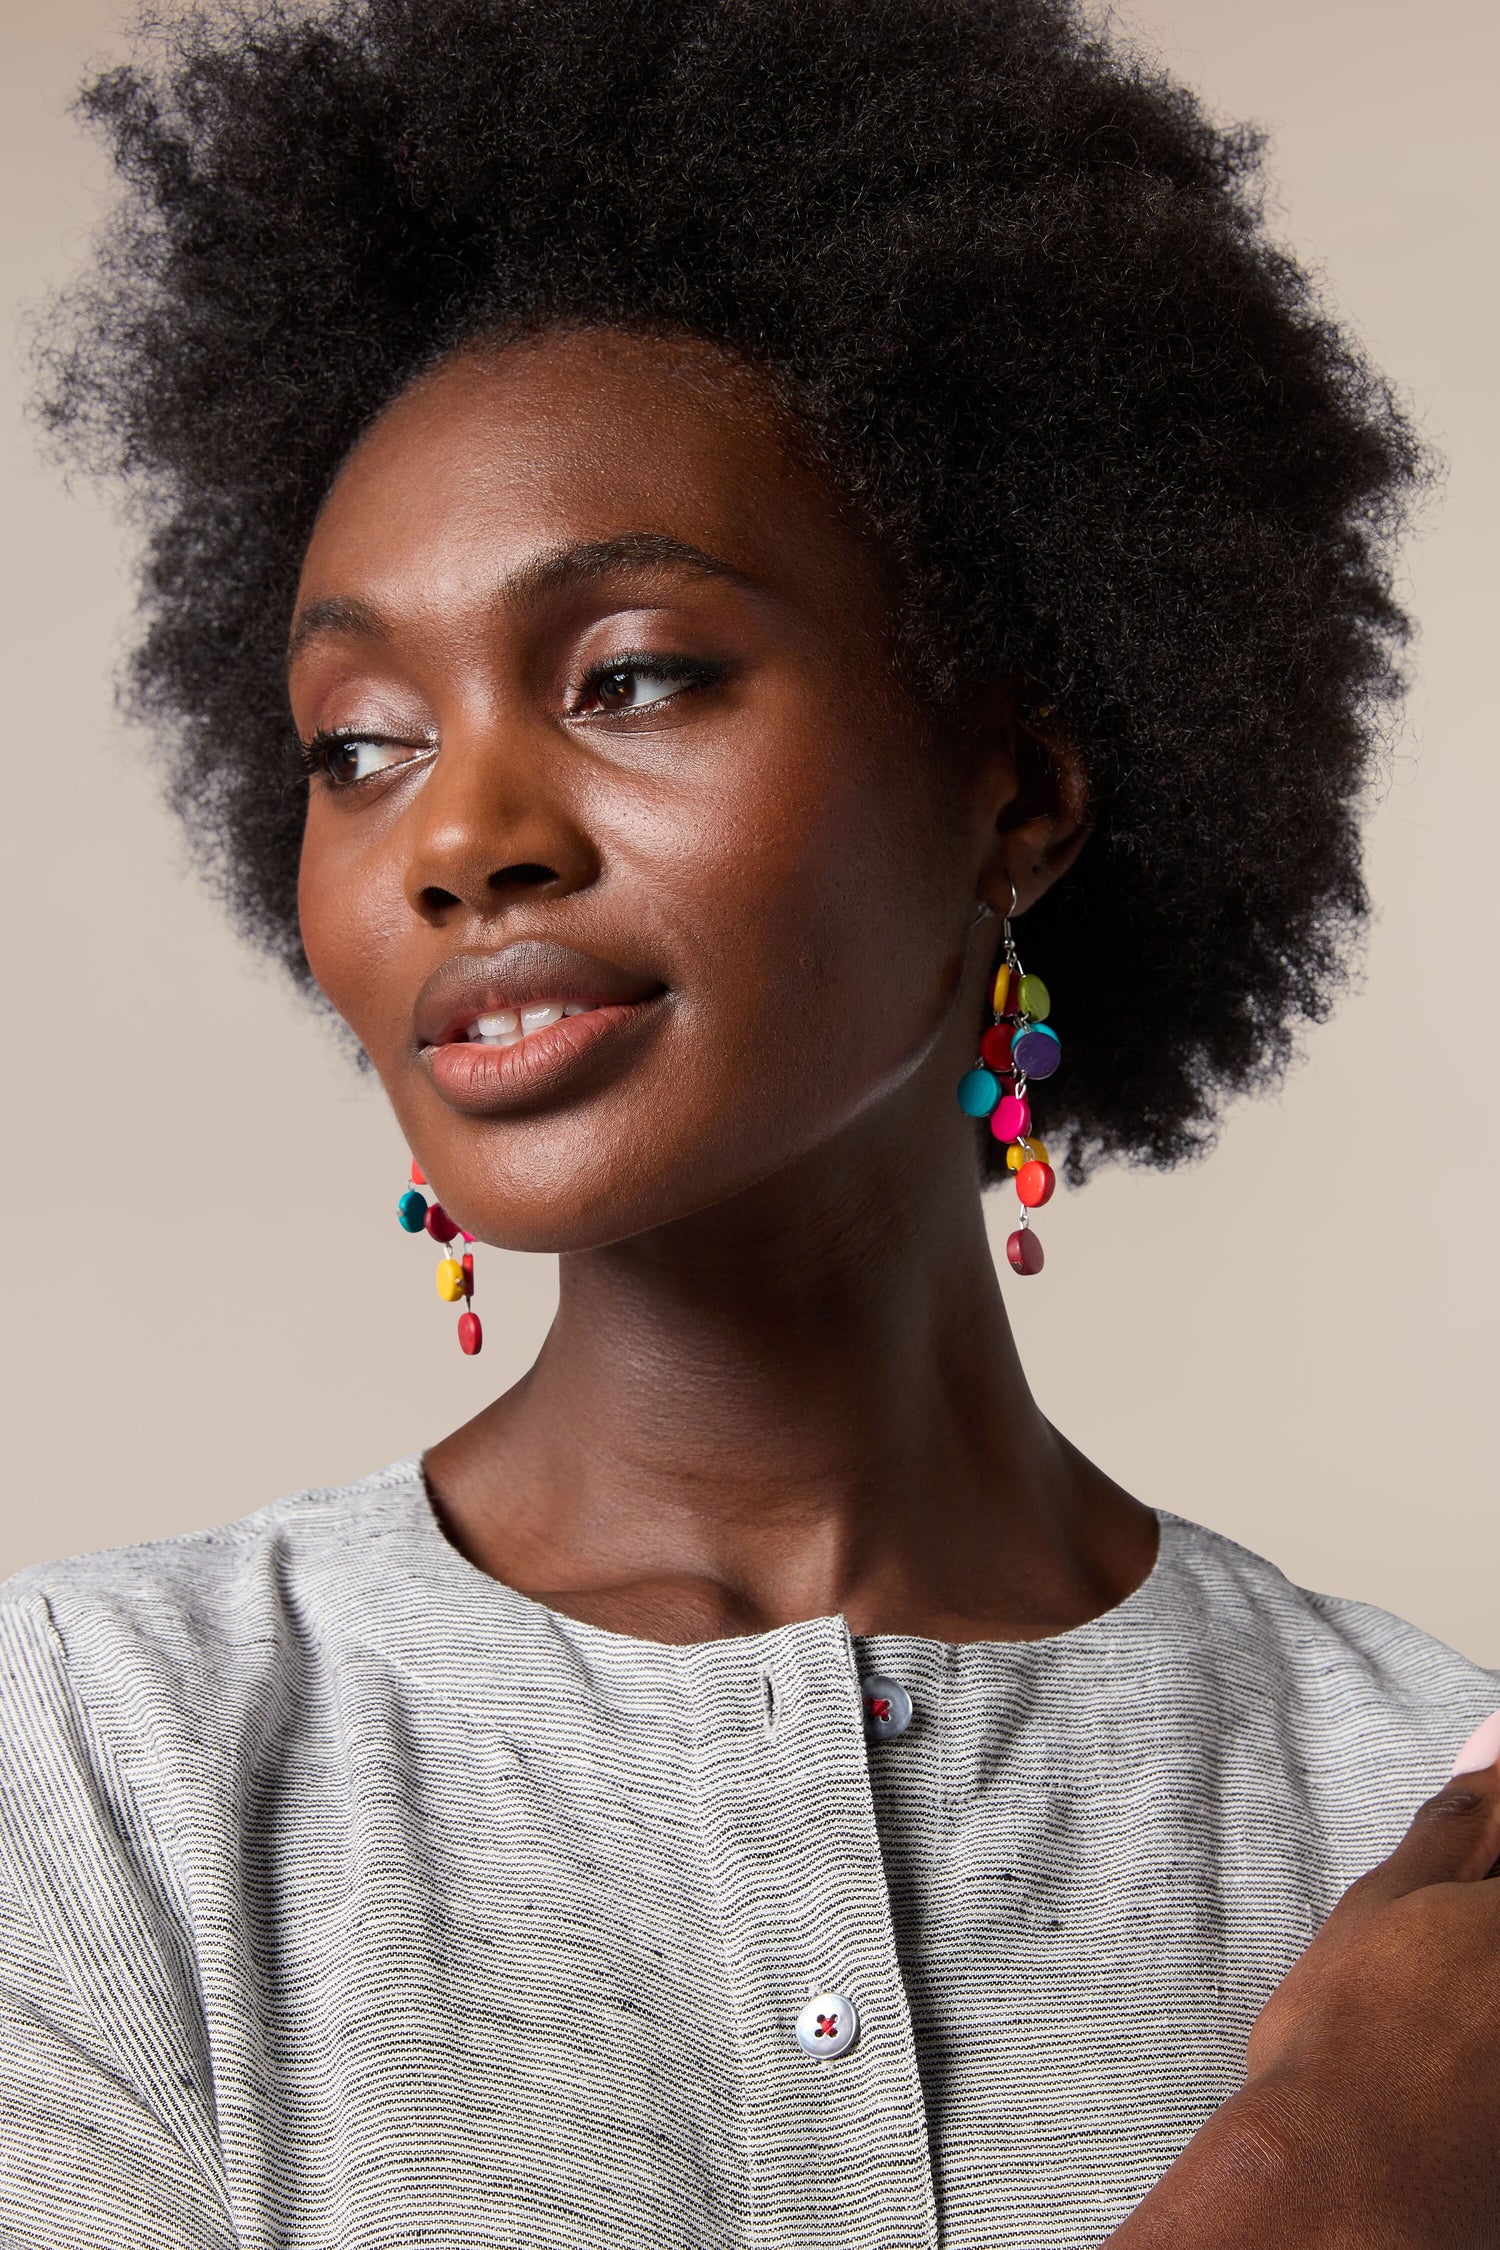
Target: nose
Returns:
[[491, 824]]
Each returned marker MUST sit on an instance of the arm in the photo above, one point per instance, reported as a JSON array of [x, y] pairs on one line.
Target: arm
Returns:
[[1370, 2114], [85, 2163], [108, 2133]]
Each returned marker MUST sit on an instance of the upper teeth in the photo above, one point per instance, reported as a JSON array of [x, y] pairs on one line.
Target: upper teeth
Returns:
[[507, 1025]]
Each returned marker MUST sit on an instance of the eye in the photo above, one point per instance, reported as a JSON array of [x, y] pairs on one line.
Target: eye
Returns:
[[349, 758], [638, 683]]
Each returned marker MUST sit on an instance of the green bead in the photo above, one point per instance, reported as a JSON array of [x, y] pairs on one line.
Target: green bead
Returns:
[[978, 1092], [1036, 1000]]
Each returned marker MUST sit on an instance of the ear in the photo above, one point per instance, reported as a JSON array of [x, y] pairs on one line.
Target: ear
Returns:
[[1032, 805]]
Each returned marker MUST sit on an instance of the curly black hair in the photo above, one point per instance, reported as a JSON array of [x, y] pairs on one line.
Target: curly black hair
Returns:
[[1020, 289]]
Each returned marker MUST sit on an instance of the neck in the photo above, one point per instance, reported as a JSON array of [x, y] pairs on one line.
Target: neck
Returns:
[[805, 1401]]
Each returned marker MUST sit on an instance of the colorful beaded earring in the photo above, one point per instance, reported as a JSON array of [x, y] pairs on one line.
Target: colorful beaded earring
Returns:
[[1019, 1045], [455, 1276]]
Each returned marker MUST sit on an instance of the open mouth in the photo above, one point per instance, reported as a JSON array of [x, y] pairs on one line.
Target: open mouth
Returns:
[[507, 1027], [495, 1031]]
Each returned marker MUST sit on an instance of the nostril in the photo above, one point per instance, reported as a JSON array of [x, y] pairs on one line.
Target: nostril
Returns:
[[526, 875]]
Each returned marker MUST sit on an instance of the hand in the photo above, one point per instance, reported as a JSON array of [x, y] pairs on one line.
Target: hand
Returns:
[[1370, 2115]]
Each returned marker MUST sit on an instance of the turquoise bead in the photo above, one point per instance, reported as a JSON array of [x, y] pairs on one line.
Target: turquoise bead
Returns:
[[978, 1092], [412, 1211]]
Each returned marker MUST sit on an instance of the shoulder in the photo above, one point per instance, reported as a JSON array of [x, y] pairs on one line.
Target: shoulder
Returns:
[[173, 1633], [1353, 1683]]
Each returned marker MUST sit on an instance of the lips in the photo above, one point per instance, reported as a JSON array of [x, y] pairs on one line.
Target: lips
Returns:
[[495, 1028], [530, 974]]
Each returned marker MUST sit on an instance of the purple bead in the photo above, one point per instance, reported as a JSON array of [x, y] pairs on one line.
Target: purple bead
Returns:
[[1037, 1051]]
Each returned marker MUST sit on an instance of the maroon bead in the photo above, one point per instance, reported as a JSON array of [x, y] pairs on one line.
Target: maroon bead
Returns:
[[467, 1263], [994, 1047], [438, 1223], [1024, 1251]]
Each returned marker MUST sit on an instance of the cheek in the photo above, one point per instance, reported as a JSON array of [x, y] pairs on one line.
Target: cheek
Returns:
[[817, 904], [352, 915]]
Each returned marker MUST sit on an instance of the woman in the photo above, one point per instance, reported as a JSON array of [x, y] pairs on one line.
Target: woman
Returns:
[[761, 515]]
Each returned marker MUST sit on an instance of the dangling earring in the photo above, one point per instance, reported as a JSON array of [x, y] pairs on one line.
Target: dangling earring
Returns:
[[1019, 1045], [455, 1276]]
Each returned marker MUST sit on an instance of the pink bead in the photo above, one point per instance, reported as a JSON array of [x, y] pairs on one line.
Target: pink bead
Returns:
[[1024, 1251], [1010, 1121], [438, 1223], [470, 1334]]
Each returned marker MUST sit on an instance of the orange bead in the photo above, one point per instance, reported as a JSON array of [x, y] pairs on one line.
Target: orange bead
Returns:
[[418, 1176], [1034, 1184], [1001, 989]]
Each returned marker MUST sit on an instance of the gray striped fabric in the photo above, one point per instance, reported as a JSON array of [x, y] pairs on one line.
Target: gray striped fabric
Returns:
[[350, 1899]]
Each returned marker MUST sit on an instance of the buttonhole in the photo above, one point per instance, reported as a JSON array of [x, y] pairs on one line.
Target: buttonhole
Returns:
[[769, 1687]]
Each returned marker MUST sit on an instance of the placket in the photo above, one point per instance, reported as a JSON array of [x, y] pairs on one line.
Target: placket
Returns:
[[836, 2140]]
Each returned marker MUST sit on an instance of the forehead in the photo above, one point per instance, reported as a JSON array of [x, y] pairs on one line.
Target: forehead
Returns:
[[572, 438]]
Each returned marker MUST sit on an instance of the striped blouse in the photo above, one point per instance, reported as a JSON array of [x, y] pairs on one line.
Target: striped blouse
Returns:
[[350, 1900]]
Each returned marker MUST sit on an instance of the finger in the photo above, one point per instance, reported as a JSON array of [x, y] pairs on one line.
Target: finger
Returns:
[[1482, 1748], [1454, 1838]]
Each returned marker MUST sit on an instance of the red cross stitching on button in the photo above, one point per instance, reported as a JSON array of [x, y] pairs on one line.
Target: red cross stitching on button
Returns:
[[828, 2026], [880, 1706]]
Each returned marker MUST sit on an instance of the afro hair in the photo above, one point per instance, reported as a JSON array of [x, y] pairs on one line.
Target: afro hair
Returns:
[[1017, 285]]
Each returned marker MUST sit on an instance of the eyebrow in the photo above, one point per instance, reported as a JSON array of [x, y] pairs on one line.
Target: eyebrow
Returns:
[[533, 582]]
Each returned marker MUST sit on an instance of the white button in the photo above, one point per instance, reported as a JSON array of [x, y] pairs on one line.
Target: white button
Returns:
[[887, 1707], [828, 2026]]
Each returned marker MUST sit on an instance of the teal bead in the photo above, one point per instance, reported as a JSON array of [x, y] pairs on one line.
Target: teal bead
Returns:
[[978, 1092], [412, 1211]]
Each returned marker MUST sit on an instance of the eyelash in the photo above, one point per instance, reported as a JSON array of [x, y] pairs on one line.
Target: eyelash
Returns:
[[692, 671]]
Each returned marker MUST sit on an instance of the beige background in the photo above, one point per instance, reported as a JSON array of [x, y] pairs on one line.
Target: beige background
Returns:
[[207, 1299]]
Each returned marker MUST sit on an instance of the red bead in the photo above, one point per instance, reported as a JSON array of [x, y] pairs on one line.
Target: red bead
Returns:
[[418, 1176], [1024, 1251], [1034, 1183], [438, 1223], [470, 1334], [468, 1266], [994, 1047]]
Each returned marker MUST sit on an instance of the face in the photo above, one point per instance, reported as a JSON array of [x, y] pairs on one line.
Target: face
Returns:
[[627, 860]]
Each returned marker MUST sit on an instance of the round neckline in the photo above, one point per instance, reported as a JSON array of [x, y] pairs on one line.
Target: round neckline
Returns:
[[473, 1583]]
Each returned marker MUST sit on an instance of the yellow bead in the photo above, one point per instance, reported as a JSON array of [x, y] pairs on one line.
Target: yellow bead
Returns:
[[1036, 1000], [1025, 1152], [450, 1280], [1002, 989]]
